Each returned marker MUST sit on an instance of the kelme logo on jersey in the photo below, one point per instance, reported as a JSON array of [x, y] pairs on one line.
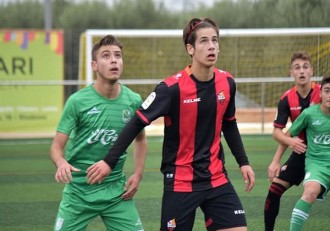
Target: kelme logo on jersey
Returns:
[[240, 211], [149, 100], [126, 116], [196, 100], [295, 108], [103, 135], [221, 97]]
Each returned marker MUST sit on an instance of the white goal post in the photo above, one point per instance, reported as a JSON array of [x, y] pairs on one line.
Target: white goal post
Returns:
[[258, 59], [176, 33]]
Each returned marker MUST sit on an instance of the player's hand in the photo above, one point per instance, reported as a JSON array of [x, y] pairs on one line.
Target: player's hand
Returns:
[[248, 176], [63, 172], [297, 145], [97, 172], [131, 186], [274, 170]]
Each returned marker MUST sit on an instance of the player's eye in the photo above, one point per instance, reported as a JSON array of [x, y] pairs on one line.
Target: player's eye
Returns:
[[326, 91], [105, 55]]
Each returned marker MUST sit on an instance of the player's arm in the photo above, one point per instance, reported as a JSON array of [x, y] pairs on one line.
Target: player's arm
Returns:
[[63, 172], [296, 128], [295, 143], [281, 119], [288, 133], [230, 129], [279, 136], [140, 153], [275, 166], [234, 140]]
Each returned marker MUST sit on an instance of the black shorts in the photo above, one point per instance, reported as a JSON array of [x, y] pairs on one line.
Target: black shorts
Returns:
[[293, 170], [221, 207]]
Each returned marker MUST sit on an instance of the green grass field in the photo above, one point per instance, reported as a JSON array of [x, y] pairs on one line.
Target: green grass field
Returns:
[[29, 195]]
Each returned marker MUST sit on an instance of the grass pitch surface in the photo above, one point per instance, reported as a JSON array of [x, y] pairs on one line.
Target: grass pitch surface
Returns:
[[29, 195]]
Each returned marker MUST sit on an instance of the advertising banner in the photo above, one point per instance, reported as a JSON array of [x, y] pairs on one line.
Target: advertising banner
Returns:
[[30, 60]]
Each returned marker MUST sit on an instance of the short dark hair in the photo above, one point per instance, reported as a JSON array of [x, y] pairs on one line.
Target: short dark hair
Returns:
[[189, 31], [304, 55], [105, 41], [325, 80]]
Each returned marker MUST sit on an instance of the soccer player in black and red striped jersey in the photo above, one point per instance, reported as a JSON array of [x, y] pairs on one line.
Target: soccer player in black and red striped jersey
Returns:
[[302, 95], [198, 104]]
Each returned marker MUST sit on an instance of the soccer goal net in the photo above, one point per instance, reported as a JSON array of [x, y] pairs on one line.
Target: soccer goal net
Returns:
[[257, 58]]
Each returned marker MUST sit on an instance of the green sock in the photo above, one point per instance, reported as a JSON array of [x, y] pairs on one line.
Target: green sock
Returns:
[[299, 215]]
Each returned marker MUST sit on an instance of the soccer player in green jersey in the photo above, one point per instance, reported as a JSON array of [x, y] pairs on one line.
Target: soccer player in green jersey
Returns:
[[316, 121], [91, 122]]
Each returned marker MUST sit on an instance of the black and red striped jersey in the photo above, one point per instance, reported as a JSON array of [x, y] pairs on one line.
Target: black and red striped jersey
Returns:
[[291, 104], [194, 113]]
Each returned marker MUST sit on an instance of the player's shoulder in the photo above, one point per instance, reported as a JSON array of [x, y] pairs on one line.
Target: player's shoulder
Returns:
[[316, 86], [312, 110], [128, 92], [176, 78], [78, 95], [313, 107], [224, 73], [285, 94]]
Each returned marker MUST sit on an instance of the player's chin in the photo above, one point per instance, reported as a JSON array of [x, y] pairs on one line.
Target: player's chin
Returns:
[[209, 64], [327, 105], [113, 78]]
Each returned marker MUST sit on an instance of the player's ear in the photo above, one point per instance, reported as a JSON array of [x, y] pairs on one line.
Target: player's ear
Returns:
[[94, 65], [290, 73], [190, 49]]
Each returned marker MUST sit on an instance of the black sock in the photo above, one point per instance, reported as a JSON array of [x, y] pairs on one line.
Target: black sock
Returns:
[[272, 205]]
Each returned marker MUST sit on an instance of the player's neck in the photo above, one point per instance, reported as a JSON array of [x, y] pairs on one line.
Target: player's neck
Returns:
[[303, 90], [325, 109], [202, 73], [107, 89]]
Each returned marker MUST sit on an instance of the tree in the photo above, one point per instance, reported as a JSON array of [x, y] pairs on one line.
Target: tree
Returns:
[[142, 14], [85, 15], [25, 14]]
